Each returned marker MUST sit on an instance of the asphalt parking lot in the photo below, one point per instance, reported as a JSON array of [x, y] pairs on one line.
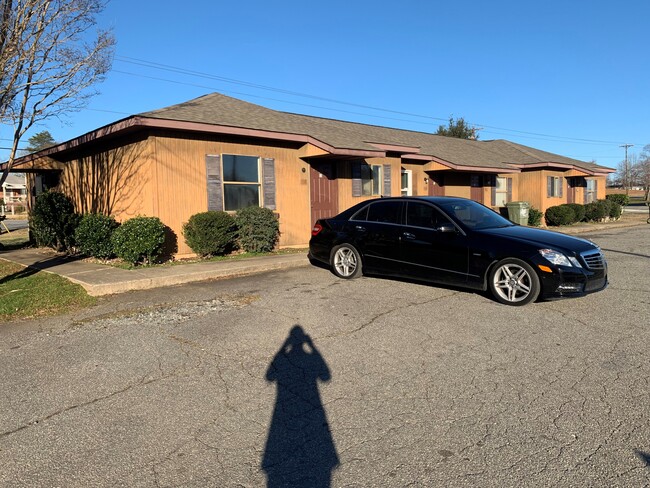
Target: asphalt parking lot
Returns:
[[297, 378]]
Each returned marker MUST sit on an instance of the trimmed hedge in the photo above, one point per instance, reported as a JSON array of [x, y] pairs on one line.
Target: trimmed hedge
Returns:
[[93, 235], [259, 229], [211, 233], [578, 210], [560, 215], [621, 198], [53, 221], [139, 240], [534, 217]]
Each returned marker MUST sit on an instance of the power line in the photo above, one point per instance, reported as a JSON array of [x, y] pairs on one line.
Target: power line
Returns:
[[183, 71]]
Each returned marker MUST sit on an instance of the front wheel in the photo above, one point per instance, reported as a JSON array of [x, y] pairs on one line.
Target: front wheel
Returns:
[[513, 282], [345, 261]]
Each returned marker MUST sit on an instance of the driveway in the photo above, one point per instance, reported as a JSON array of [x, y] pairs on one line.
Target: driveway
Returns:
[[297, 378]]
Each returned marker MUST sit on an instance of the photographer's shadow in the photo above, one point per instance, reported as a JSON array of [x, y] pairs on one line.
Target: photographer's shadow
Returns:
[[300, 450]]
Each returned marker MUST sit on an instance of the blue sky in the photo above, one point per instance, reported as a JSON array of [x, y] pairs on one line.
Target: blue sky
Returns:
[[570, 77]]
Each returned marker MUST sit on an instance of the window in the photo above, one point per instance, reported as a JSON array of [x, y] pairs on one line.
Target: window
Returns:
[[386, 212], [554, 186], [371, 179], [407, 182], [422, 215], [241, 181], [591, 191], [501, 192]]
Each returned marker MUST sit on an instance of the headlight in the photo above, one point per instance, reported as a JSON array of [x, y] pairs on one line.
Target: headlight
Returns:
[[557, 258]]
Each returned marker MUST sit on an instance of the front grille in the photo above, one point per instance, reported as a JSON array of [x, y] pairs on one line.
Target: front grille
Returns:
[[594, 259]]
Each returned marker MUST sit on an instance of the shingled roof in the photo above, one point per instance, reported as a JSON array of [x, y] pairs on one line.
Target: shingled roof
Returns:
[[219, 113], [218, 109]]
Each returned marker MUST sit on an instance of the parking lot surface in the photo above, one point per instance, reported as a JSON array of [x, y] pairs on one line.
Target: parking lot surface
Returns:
[[297, 378]]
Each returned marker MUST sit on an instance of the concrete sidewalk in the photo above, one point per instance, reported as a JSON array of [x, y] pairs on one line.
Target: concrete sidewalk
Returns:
[[100, 279]]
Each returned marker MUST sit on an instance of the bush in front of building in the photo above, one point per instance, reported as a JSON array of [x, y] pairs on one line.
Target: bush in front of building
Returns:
[[621, 198], [578, 210], [211, 233], [53, 221], [615, 210], [535, 217], [597, 211], [258, 228], [139, 240], [93, 235], [560, 215]]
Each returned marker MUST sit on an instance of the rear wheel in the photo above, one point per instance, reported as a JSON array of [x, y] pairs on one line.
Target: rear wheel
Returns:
[[513, 282], [345, 261]]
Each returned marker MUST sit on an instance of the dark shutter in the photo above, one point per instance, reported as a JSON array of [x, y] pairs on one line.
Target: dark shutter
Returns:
[[492, 183], [549, 186], [560, 183], [357, 186], [213, 172], [387, 176], [268, 186], [509, 197]]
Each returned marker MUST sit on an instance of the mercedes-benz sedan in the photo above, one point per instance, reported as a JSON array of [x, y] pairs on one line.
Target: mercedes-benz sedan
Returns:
[[457, 242]]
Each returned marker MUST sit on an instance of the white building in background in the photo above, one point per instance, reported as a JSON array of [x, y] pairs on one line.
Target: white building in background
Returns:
[[14, 194]]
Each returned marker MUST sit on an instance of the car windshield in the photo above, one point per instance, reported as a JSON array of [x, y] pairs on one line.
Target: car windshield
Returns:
[[473, 215]]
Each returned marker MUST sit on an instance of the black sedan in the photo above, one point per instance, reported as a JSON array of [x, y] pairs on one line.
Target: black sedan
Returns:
[[458, 242]]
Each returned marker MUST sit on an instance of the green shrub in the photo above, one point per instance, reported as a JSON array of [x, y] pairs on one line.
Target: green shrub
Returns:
[[578, 210], [615, 210], [598, 210], [259, 229], [93, 235], [560, 215], [210, 233], [139, 240], [53, 221], [621, 198], [534, 217]]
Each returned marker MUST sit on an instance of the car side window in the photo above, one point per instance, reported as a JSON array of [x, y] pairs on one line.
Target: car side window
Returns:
[[422, 215], [386, 212]]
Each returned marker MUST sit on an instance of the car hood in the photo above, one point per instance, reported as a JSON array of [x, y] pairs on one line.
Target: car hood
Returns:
[[542, 238]]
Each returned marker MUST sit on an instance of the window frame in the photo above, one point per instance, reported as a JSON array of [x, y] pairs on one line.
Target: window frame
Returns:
[[554, 187], [371, 179], [227, 183]]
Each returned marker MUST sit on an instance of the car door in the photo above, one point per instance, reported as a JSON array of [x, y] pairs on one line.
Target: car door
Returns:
[[377, 235], [431, 246]]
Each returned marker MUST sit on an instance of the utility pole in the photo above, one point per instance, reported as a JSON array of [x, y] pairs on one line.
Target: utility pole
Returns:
[[627, 169]]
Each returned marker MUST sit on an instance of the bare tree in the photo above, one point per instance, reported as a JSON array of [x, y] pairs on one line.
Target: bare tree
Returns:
[[49, 62]]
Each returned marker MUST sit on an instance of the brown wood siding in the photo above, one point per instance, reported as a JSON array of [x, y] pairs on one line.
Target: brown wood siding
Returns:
[[114, 181], [181, 183]]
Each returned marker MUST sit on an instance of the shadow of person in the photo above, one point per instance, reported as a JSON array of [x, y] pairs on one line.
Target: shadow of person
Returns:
[[300, 450]]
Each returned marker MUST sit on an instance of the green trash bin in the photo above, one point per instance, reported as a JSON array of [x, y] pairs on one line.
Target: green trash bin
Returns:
[[518, 212]]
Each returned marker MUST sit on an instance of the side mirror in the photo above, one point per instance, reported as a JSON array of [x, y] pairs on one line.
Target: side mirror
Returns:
[[446, 228]]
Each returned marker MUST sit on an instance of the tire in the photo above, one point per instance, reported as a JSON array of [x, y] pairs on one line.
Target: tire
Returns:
[[345, 261], [513, 282]]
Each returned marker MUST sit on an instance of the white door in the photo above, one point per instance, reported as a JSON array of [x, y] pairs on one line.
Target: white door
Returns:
[[407, 182]]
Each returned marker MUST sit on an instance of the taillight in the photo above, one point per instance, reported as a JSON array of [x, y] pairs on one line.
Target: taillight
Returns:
[[316, 229]]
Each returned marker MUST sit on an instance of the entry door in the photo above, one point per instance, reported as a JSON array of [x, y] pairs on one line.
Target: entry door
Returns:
[[324, 191], [436, 185], [476, 191]]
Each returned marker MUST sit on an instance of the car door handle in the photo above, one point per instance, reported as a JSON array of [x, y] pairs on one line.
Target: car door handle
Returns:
[[360, 228], [408, 235]]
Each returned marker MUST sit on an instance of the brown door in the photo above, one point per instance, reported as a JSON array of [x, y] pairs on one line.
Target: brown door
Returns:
[[324, 191], [436, 186], [571, 190], [476, 189]]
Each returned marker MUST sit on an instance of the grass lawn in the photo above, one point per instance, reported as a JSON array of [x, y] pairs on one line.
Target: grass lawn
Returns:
[[14, 239], [25, 292]]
